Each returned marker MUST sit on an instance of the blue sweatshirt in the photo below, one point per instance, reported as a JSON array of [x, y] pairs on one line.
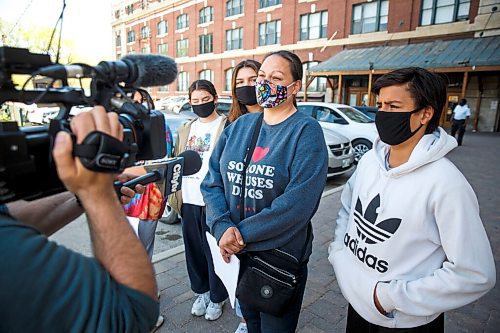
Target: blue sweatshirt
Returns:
[[285, 179], [45, 287]]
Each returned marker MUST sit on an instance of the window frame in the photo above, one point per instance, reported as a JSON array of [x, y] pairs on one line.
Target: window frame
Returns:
[[321, 27], [240, 39], [203, 16], [145, 32], [183, 81], [202, 48], [231, 11], [203, 72], [186, 48], [267, 3], [377, 16], [162, 45], [433, 10], [165, 24], [180, 22], [277, 33], [228, 84], [131, 33]]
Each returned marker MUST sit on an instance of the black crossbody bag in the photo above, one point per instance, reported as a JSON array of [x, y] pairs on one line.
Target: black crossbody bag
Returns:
[[268, 279]]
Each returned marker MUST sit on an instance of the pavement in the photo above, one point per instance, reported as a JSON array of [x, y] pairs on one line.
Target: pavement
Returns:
[[324, 308]]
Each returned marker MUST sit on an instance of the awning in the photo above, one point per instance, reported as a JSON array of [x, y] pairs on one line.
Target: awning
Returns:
[[446, 55]]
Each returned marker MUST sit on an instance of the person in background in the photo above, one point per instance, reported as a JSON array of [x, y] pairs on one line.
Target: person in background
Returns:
[[199, 135], [461, 115], [243, 89], [289, 163], [244, 101], [409, 243]]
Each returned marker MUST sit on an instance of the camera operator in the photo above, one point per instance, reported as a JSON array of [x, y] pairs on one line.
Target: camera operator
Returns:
[[45, 287]]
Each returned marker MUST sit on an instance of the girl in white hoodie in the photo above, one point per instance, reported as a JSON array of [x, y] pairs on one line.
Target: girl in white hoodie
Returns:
[[409, 243]]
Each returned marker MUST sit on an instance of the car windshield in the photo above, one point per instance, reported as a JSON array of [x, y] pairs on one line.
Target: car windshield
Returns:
[[355, 115]]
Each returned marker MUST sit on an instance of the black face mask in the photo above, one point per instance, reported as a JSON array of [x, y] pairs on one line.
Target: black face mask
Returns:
[[394, 127], [246, 95], [204, 110]]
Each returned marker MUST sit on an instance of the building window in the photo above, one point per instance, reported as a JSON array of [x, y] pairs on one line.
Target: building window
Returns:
[[129, 9], [229, 79], [162, 27], [162, 48], [444, 11], [145, 32], [268, 3], [183, 81], [182, 21], [234, 7], [207, 74], [314, 25], [370, 17], [163, 88], [234, 39], [206, 15], [270, 33], [118, 40], [182, 48], [131, 36], [117, 14], [206, 43], [318, 84], [145, 49]]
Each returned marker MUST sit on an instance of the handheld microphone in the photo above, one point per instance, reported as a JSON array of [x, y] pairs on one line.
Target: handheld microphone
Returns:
[[139, 70], [167, 174]]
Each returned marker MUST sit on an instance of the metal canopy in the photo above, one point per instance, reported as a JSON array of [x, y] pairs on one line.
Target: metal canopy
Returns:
[[456, 55]]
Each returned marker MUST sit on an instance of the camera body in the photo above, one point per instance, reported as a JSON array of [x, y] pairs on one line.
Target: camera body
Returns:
[[27, 170]]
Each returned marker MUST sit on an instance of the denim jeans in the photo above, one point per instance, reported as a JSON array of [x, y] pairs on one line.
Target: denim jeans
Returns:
[[260, 322]]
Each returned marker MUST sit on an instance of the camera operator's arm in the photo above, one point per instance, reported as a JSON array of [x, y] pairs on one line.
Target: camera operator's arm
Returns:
[[50, 214], [115, 244]]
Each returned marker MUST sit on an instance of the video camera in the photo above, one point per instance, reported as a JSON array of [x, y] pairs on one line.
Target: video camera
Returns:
[[27, 170]]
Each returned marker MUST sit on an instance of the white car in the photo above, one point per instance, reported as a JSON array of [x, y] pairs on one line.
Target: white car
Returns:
[[42, 115], [340, 153], [345, 120]]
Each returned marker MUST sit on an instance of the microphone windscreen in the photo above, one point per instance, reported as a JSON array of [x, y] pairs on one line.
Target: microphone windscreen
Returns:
[[153, 69], [192, 162]]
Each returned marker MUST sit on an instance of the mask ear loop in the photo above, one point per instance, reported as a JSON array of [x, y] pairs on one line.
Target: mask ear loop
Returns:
[[419, 127]]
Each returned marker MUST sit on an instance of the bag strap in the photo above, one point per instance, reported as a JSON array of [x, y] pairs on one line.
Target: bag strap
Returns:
[[248, 157]]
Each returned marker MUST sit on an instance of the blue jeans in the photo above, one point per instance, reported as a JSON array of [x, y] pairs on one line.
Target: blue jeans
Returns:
[[260, 322], [146, 231]]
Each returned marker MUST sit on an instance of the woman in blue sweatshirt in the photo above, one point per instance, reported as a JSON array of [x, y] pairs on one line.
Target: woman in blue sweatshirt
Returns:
[[284, 181]]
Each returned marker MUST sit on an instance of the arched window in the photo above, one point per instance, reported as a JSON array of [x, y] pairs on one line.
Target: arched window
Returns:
[[162, 27], [229, 79], [206, 14], [183, 81], [207, 74]]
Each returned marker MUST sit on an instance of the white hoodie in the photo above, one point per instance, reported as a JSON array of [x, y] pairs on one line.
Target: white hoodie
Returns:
[[415, 229]]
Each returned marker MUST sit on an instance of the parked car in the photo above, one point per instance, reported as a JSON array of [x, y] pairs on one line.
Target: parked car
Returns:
[[369, 111], [340, 153], [42, 115], [345, 120], [172, 104]]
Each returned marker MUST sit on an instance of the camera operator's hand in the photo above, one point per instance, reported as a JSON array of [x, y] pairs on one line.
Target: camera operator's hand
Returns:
[[73, 174], [115, 245]]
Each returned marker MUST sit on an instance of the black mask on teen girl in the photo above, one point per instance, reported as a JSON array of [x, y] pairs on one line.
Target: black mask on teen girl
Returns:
[[246, 95], [394, 127], [204, 110]]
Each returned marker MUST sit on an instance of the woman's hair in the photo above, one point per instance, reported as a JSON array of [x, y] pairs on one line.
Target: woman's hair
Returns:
[[295, 65], [202, 85], [238, 109]]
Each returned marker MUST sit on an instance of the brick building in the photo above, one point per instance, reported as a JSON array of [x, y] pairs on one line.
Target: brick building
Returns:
[[208, 37]]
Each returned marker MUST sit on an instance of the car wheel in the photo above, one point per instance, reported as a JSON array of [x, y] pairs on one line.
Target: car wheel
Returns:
[[170, 216], [360, 146]]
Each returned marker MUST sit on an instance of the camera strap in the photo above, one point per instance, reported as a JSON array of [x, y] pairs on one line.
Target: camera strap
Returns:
[[104, 153]]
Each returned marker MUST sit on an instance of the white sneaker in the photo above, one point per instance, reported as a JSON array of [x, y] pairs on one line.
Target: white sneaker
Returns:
[[200, 305], [159, 322], [242, 328], [214, 310]]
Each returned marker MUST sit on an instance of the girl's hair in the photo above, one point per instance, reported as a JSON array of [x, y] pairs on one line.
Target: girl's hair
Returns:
[[202, 85], [238, 109], [295, 65]]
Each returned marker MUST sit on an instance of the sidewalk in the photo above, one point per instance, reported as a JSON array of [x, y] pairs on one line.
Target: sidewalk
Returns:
[[324, 308]]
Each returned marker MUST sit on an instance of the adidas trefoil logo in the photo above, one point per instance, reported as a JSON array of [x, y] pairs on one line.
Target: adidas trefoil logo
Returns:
[[369, 231]]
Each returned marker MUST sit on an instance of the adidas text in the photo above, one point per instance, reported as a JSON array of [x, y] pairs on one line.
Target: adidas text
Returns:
[[370, 260]]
